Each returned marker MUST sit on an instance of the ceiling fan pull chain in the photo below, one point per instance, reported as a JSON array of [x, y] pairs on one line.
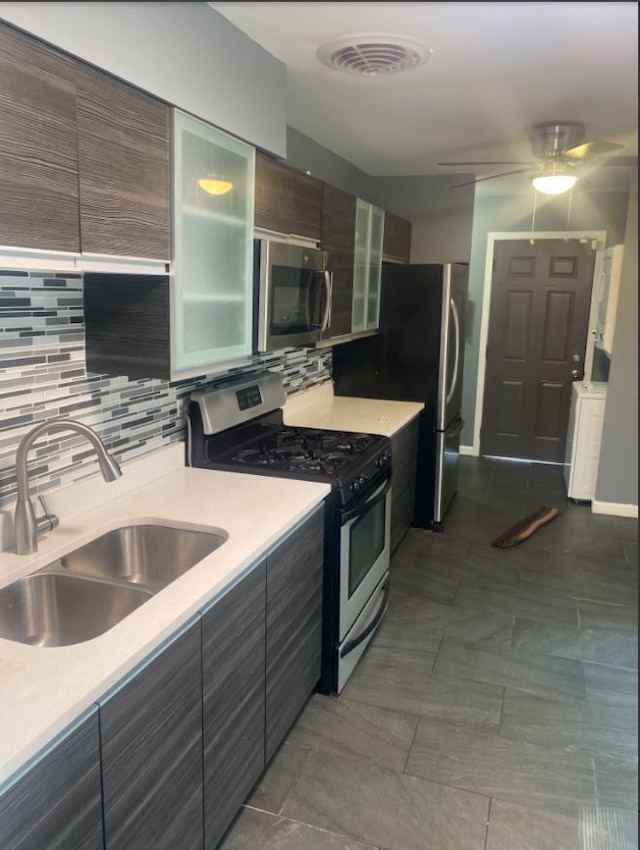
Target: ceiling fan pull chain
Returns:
[[533, 217], [569, 209]]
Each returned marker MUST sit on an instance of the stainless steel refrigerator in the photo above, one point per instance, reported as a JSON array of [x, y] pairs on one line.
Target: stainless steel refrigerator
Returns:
[[417, 355]]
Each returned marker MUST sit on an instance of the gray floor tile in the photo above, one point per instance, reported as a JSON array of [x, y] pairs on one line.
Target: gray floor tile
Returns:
[[350, 728], [513, 827], [598, 646], [519, 601], [604, 615], [419, 624], [571, 724], [254, 829], [527, 671], [616, 782], [608, 828], [631, 551], [411, 576], [513, 771], [403, 681], [611, 686], [278, 779], [385, 808], [585, 578]]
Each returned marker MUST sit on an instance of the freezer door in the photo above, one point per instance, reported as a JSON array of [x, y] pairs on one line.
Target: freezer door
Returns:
[[452, 342], [447, 460]]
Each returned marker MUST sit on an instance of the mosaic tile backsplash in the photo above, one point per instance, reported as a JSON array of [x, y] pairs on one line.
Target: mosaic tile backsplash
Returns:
[[43, 375]]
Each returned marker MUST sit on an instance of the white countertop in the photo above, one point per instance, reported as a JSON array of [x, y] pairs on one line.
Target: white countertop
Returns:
[[318, 407], [43, 689]]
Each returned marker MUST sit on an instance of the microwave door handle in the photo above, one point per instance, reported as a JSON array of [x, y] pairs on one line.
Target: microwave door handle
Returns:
[[328, 285], [376, 497], [456, 325], [307, 304]]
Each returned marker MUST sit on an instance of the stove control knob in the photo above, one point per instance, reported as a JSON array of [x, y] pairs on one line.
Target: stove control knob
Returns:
[[363, 479], [355, 486]]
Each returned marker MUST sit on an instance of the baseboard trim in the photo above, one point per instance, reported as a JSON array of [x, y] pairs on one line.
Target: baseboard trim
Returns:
[[614, 509], [469, 451]]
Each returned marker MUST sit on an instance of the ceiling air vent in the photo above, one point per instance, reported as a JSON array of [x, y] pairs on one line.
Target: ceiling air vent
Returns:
[[373, 55]]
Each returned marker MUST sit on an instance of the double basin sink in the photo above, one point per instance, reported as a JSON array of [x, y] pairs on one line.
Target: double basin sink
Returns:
[[89, 590]]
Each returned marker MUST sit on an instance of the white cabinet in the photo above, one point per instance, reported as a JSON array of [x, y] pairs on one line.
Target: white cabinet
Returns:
[[367, 267], [213, 245], [583, 439], [607, 294]]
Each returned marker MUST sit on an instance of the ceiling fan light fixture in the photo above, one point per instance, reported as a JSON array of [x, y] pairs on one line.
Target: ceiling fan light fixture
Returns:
[[554, 184]]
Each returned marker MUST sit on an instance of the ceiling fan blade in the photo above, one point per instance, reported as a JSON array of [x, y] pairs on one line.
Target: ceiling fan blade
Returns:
[[591, 149], [492, 162], [492, 177]]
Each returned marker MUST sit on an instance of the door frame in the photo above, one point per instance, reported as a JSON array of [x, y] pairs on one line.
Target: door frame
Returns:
[[600, 238]]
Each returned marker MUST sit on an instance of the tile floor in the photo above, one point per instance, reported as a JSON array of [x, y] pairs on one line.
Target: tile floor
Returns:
[[496, 708]]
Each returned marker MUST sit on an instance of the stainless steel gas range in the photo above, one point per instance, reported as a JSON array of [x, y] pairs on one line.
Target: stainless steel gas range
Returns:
[[237, 426]]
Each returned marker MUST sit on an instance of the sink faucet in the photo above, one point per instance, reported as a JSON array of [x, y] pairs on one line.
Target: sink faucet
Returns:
[[26, 526]]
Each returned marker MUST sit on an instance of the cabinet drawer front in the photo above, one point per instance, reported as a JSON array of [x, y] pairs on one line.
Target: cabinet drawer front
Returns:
[[294, 626], [233, 669], [57, 804], [151, 731]]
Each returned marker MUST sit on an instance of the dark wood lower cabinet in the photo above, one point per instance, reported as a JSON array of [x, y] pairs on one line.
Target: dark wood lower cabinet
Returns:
[[404, 452], [233, 670], [168, 757], [151, 733], [57, 804], [294, 626]]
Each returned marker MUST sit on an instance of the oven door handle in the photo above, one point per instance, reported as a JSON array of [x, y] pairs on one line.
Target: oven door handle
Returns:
[[371, 626], [376, 497]]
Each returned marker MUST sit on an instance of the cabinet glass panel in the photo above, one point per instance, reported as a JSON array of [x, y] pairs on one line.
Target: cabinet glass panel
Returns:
[[360, 266], [213, 257], [376, 234]]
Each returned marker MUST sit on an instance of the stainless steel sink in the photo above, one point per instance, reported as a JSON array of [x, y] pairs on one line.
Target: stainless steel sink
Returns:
[[150, 556], [48, 609], [88, 591]]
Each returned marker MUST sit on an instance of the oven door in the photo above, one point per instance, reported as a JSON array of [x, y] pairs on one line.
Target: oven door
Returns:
[[364, 550], [294, 295]]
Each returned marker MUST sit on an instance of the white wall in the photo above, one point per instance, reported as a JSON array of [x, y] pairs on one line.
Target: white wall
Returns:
[[617, 484], [184, 53]]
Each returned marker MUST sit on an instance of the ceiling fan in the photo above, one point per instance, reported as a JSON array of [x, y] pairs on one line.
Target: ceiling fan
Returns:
[[560, 151]]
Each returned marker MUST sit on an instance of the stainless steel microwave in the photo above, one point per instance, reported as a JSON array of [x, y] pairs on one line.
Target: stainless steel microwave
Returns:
[[293, 286]]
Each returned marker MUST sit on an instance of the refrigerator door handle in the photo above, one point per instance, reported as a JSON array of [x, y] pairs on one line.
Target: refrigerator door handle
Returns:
[[456, 324]]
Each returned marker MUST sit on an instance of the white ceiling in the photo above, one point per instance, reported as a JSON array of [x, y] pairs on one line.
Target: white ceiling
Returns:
[[496, 69]]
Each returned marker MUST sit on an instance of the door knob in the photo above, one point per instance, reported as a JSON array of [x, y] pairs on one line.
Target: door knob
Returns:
[[575, 373], [576, 358]]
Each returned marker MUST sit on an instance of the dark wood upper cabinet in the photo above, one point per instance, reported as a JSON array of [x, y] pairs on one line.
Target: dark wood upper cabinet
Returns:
[[38, 150], [57, 804], [286, 200], [338, 238], [124, 171], [396, 243]]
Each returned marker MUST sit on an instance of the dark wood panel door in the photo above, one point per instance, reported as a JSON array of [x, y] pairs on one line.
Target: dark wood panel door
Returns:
[[38, 149], [404, 453], [338, 238], [151, 732], [233, 669], [123, 151], [396, 243], [272, 197], [539, 312], [294, 626], [306, 206], [57, 804]]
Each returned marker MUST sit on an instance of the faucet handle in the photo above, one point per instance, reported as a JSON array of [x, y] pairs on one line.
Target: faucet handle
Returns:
[[48, 521]]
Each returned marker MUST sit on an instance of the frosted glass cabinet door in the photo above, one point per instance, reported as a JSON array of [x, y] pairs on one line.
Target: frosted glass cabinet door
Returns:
[[360, 267], [213, 256], [376, 233]]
